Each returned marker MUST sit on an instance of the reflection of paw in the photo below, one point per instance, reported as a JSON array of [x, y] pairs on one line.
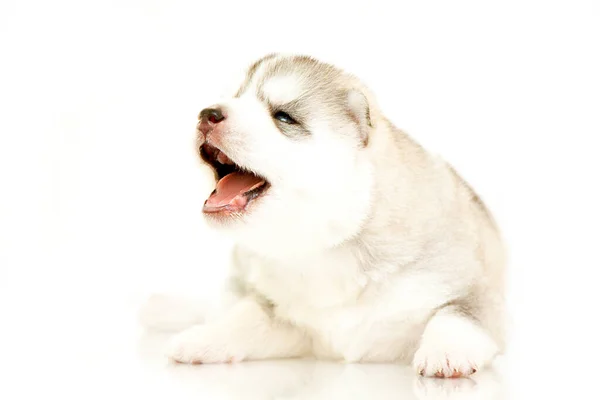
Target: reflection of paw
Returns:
[[202, 345], [453, 347], [431, 388], [169, 313], [484, 386]]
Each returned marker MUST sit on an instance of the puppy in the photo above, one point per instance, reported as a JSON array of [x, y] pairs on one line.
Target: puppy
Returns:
[[353, 243]]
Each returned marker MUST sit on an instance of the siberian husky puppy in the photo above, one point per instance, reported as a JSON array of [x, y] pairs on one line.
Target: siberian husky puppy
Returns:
[[353, 243]]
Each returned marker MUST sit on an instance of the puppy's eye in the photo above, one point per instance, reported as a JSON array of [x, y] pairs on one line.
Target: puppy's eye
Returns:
[[284, 117]]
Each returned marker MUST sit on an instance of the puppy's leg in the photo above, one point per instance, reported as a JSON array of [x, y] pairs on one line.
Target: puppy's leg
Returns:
[[245, 332], [453, 345], [163, 312]]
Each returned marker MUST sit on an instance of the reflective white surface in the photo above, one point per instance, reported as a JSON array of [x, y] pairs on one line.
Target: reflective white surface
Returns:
[[90, 346], [308, 379]]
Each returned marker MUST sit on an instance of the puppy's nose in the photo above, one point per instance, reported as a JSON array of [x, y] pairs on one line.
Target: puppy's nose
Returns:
[[212, 115]]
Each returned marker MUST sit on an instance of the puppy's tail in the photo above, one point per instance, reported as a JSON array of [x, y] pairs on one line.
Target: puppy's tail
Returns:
[[170, 313]]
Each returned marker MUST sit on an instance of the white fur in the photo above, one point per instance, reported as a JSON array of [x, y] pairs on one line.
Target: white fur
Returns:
[[283, 89], [357, 253], [453, 344], [244, 333]]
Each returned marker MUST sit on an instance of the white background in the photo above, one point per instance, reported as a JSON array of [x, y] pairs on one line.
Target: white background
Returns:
[[101, 192]]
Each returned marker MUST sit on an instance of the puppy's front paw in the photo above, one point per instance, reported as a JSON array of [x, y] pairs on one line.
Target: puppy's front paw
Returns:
[[203, 345], [452, 347]]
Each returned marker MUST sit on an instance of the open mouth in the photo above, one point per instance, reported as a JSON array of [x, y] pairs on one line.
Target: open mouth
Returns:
[[236, 186]]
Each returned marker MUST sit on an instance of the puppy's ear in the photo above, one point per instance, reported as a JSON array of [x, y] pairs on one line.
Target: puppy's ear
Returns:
[[360, 112]]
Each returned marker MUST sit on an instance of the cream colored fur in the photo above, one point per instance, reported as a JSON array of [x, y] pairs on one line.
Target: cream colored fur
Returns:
[[366, 248]]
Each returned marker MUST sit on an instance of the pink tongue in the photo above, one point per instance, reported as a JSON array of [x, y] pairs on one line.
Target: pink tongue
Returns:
[[230, 191]]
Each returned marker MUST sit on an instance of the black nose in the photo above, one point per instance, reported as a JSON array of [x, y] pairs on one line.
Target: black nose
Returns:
[[214, 115]]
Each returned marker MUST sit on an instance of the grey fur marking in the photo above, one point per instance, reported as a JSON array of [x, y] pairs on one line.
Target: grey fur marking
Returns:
[[251, 71]]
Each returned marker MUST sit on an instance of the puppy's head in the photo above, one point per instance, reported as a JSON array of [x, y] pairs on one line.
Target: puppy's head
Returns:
[[289, 155]]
